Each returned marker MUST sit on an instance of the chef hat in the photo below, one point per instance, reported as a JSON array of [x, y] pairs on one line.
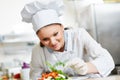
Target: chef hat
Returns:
[[41, 14]]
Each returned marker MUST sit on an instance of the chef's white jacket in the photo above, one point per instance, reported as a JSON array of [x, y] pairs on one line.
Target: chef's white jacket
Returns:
[[78, 43]]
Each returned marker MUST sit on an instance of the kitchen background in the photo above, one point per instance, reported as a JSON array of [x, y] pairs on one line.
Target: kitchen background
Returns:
[[17, 38]]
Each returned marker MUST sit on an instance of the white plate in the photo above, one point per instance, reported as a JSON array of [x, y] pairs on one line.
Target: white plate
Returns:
[[79, 78]]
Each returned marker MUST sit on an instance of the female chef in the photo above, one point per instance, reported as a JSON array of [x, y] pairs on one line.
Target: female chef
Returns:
[[83, 54]]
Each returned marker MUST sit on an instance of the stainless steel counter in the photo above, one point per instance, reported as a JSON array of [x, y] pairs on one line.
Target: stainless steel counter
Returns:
[[113, 77]]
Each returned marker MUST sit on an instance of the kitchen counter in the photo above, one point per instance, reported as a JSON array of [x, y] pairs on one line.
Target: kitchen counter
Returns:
[[112, 77]]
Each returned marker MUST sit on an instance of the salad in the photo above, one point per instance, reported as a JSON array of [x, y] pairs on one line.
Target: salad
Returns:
[[55, 74]]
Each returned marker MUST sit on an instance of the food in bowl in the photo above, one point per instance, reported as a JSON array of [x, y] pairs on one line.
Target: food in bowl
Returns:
[[55, 74]]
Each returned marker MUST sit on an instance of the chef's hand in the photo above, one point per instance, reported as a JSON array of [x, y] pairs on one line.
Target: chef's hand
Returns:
[[78, 65]]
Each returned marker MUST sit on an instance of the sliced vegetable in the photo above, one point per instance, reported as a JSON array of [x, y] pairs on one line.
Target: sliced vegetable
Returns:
[[54, 74]]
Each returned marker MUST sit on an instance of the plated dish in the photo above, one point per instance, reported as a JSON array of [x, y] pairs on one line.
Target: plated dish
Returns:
[[54, 74]]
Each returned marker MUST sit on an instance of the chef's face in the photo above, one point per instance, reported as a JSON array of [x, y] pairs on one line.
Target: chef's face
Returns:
[[52, 36]]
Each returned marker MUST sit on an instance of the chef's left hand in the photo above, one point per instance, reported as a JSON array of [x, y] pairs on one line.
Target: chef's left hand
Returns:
[[78, 65]]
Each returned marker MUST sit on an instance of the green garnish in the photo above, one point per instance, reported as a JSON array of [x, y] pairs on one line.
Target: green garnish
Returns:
[[53, 67]]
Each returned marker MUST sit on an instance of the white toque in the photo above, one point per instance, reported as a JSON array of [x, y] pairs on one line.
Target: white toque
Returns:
[[40, 14]]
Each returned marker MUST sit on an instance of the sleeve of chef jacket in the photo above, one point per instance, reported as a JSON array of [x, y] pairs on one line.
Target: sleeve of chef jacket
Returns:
[[36, 65], [101, 57]]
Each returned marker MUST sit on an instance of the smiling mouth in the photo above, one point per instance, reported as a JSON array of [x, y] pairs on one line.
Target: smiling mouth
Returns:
[[54, 46]]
